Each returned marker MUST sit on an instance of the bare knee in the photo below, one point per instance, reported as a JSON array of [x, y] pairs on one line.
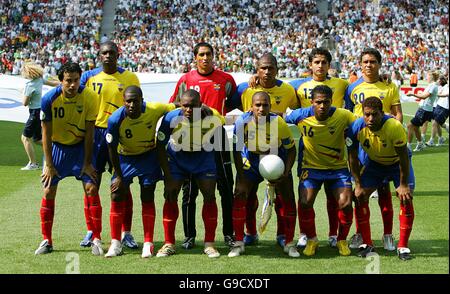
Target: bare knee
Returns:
[[50, 193], [26, 140], [345, 203], [91, 189]]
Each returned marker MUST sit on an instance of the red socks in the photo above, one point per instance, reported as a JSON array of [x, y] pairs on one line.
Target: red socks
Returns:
[[86, 214], [47, 213], [128, 213], [345, 222], [387, 212], [209, 215], [307, 222], [95, 212], [170, 216], [238, 215], [116, 219], [362, 214], [406, 218], [148, 220], [289, 218]]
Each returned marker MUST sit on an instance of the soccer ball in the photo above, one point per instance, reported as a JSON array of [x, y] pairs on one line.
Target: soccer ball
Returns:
[[271, 167]]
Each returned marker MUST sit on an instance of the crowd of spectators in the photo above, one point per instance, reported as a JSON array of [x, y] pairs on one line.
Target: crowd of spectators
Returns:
[[158, 36], [49, 32]]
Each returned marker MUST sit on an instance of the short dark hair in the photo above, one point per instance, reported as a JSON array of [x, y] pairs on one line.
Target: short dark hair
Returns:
[[320, 51], [371, 51], [261, 93], [133, 88], [373, 102], [322, 89], [269, 56], [110, 43], [191, 93], [203, 44], [442, 80], [68, 67]]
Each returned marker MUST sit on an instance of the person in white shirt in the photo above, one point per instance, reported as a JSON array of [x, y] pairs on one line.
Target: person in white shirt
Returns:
[[440, 113], [425, 111]]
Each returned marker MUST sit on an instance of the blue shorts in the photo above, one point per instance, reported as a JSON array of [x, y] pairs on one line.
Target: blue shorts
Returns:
[[251, 164], [145, 166], [373, 174], [364, 159], [198, 164], [421, 117], [68, 161], [440, 114], [33, 125], [100, 154], [312, 178]]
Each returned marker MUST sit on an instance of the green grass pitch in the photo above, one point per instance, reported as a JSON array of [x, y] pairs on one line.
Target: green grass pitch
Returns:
[[20, 196]]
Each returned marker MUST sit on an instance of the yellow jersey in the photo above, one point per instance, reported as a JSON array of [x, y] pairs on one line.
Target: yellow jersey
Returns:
[[282, 96], [69, 115], [360, 90], [136, 136], [260, 138], [379, 145], [322, 142], [109, 90], [184, 135], [307, 85]]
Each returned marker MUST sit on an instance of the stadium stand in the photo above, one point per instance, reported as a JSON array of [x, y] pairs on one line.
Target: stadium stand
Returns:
[[158, 36]]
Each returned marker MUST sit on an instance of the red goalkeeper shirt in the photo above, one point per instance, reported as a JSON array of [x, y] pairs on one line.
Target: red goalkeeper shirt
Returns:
[[214, 88]]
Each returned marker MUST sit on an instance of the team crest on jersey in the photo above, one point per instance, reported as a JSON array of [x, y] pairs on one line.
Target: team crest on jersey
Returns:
[[120, 87], [381, 95], [161, 136], [332, 129], [217, 87], [348, 141], [383, 142], [79, 108], [278, 99]]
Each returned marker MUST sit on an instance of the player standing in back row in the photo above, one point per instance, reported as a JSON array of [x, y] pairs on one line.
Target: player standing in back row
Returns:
[[371, 84], [319, 63], [108, 82]]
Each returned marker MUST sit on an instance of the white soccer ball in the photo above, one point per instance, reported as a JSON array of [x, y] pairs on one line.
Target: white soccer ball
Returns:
[[271, 167]]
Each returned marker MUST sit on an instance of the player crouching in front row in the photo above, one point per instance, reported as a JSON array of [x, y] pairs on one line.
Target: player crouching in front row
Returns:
[[132, 148], [187, 132], [383, 139], [256, 133], [322, 161]]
